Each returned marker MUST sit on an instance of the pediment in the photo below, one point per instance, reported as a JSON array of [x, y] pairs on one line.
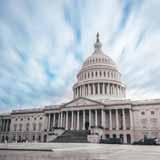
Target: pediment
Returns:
[[81, 102]]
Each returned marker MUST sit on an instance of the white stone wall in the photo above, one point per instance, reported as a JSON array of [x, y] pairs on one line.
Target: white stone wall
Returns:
[[146, 121], [33, 119]]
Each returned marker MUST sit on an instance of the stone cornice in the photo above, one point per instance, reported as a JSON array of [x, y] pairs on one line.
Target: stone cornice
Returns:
[[26, 111], [98, 81], [146, 102]]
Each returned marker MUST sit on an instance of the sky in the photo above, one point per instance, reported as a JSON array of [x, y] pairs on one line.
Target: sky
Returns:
[[43, 44]]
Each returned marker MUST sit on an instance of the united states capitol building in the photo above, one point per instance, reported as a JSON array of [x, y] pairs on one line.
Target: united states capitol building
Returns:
[[99, 110]]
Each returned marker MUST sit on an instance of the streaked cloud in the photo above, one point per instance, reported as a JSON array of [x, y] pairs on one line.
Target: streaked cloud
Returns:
[[43, 44]]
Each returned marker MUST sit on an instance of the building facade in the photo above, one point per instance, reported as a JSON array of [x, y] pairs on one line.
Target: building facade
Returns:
[[98, 105]]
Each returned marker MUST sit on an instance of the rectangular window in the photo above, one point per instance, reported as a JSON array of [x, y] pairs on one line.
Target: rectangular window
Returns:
[[20, 127], [15, 127], [142, 113]]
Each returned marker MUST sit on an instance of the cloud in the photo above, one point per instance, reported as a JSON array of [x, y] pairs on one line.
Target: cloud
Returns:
[[43, 44]]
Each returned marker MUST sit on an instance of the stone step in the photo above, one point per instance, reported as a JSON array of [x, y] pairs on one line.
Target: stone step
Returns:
[[73, 136]]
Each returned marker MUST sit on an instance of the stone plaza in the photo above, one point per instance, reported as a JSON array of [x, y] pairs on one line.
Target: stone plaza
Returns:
[[80, 151]]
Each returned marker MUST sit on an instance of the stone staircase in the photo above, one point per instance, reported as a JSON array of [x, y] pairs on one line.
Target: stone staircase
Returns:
[[72, 136]]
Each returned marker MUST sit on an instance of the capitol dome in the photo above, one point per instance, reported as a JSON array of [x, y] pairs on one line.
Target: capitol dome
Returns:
[[99, 78]]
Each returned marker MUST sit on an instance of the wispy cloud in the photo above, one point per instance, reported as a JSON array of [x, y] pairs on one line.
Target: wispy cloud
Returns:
[[43, 44]]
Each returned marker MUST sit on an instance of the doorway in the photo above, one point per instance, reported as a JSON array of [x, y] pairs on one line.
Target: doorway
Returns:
[[86, 125]]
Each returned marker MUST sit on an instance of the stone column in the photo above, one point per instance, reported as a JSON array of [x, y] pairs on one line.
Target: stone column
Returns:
[[93, 88], [131, 119], [0, 125], [90, 119], [83, 89], [72, 121], [88, 89], [6, 125], [48, 123], [110, 119], [54, 119], [117, 120], [108, 89], [3, 125], [103, 88], [96, 118], [124, 138], [77, 120], [118, 90], [66, 120], [80, 91], [103, 118], [114, 90], [84, 119], [61, 119], [9, 124], [98, 84], [124, 119]]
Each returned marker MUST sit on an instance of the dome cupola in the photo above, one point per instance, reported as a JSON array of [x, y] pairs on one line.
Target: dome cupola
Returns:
[[99, 77]]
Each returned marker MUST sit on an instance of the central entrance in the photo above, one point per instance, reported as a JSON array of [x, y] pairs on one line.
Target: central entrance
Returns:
[[86, 125]]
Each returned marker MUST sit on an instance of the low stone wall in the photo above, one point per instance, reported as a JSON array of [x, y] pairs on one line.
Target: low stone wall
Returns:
[[93, 138]]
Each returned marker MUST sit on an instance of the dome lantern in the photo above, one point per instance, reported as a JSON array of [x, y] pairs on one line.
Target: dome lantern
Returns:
[[98, 44]]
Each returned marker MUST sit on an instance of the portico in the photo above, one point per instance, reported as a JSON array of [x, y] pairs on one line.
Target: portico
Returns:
[[87, 114]]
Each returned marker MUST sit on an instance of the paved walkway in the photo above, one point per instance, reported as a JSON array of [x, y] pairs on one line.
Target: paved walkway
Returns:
[[68, 151]]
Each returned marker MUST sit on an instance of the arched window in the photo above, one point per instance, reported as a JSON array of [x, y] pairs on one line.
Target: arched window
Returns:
[[39, 126], [33, 138], [27, 127], [20, 127], [100, 74], [96, 73], [92, 75], [15, 127], [39, 138], [34, 126], [104, 74]]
